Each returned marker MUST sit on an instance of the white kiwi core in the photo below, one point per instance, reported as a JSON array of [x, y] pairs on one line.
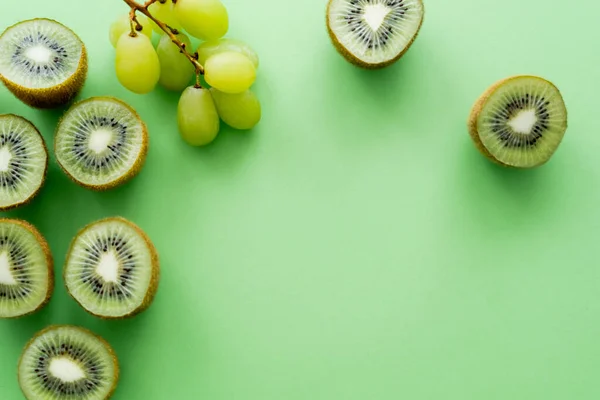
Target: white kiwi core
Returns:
[[375, 15], [6, 276], [523, 122], [99, 140], [108, 267], [38, 54], [66, 369], [5, 158]]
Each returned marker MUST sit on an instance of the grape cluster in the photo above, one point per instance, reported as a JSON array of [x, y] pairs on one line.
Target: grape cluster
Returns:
[[228, 65]]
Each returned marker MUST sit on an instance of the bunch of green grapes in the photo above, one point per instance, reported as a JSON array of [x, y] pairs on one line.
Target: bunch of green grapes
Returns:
[[228, 65]]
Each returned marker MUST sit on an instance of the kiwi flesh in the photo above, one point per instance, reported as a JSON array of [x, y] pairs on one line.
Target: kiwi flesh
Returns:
[[112, 269], [519, 121], [26, 269], [101, 143], [374, 34], [68, 362], [42, 62], [23, 161]]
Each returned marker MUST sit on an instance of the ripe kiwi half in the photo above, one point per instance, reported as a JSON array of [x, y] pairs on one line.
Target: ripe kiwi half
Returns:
[[68, 362], [23, 161], [42, 62], [26, 269], [374, 34], [101, 143], [112, 269], [519, 121]]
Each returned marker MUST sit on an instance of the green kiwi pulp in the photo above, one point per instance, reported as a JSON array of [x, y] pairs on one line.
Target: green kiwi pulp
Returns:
[[23, 161], [101, 143], [112, 269], [26, 269], [519, 121], [65, 362], [42, 62], [374, 33]]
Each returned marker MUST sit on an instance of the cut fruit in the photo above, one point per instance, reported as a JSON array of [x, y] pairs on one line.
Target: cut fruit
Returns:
[[101, 143], [112, 269], [519, 121], [23, 161], [68, 362], [43, 63], [374, 33], [26, 269]]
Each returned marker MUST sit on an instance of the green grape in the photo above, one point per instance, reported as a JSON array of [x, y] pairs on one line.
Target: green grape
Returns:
[[176, 70], [240, 111], [203, 19], [230, 72], [163, 12], [197, 117], [212, 47], [121, 25], [136, 63]]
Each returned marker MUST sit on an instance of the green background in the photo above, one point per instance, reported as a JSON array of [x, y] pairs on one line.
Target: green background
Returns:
[[354, 245]]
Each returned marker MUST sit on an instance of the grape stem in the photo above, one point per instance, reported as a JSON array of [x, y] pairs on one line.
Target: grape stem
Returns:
[[136, 26]]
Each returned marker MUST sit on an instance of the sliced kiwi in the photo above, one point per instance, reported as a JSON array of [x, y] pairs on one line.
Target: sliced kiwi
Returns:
[[112, 269], [519, 121], [68, 362], [26, 269], [23, 161], [101, 143], [42, 62], [374, 33]]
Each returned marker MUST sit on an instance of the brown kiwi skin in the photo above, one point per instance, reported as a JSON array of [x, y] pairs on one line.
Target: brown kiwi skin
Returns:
[[58, 95], [154, 279], [36, 192], [107, 346], [137, 166], [357, 61], [49, 260], [478, 107]]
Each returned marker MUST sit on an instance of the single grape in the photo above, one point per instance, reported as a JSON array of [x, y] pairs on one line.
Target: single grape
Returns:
[[203, 19], [121, 25], [136, 63], [164, 12], [212, 47], [197, 116], [176, 70], [230, 72], [240, 111]]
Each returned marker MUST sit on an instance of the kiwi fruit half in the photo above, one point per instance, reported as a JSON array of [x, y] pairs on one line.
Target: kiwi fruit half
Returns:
[[374, 34], [23, 161], [26, 269], [101, 143], [42, 62], [67, 362], [112, 269], [519, 121]]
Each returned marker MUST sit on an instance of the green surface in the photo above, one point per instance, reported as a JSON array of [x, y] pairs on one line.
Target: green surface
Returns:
[[354, 245]]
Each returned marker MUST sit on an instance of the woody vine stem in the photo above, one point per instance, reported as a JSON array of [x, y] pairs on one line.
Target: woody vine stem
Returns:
[[136, 26]]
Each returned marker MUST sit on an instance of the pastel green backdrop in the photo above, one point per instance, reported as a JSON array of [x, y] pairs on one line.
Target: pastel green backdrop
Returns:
[[354, 245]]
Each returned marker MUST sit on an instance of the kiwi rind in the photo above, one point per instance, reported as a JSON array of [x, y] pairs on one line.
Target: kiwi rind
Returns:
[[107, 345], [357, 61], [45, 173], [49, 260], [133, 171], [478, 107], [154, 279], [55, 96]]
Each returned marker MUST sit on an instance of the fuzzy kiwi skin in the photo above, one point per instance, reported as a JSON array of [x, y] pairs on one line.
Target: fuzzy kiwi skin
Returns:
[[102, 340], [49, 260], [476, 111], [154, 279], [357, 61], [35, 193], [135, 169], [55, 96]]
